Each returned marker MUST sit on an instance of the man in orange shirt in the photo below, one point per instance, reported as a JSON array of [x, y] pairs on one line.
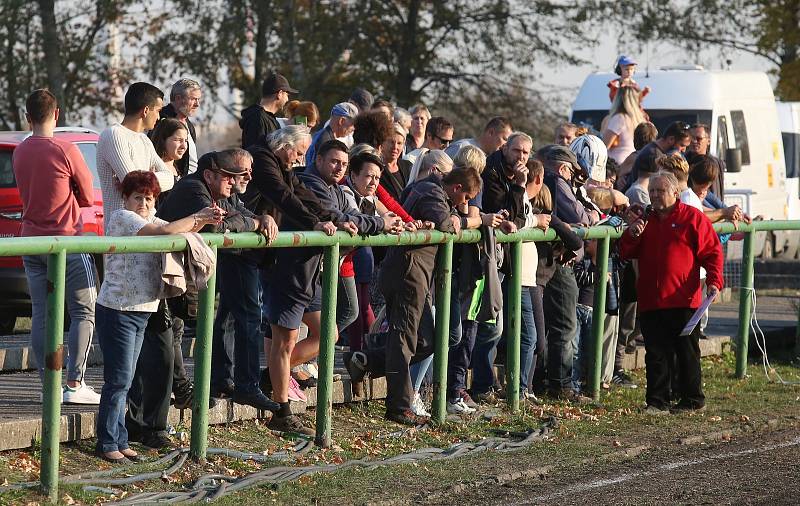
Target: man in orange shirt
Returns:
[[54, 183]]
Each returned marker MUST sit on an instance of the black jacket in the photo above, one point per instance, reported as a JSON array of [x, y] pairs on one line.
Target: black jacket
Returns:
[[191, 194], [499, 192], [552, 253], [334, 199], [276, 190], [396, 183], [255, 124], [182, 165]]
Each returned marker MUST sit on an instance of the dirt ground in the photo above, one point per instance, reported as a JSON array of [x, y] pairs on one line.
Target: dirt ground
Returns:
[[757, 469]]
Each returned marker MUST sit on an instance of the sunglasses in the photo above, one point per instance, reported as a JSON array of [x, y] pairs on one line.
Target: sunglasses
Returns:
[[445, 142]]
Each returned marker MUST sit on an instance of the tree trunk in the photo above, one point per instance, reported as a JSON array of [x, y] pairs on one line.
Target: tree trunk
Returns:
[[408, 54], [11, 77], [788, 87], [52, 55]]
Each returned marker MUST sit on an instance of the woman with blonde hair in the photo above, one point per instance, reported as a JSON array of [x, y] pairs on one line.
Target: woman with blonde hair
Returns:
[[623, 118]]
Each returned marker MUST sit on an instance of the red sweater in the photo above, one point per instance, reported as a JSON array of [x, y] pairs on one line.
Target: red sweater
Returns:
[[671, 251], [54, 183]]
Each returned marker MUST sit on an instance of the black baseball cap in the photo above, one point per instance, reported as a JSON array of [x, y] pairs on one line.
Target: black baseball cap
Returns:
[[274, 83], [217, 162]]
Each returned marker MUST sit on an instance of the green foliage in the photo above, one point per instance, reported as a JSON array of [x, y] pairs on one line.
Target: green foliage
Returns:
[[766, 28]]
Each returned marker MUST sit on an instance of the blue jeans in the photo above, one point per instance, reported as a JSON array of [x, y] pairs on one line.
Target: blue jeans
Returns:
[[346, 303], [239, 291], [484, 353], [121, 334], [528, 338], [581, 344]]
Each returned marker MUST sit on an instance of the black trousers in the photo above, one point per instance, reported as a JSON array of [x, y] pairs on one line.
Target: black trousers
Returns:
[[405, 281], [662, 341], [149, 395], [560, 297]]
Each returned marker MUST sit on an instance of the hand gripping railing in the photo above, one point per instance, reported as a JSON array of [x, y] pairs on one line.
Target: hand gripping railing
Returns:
[[58, 247]]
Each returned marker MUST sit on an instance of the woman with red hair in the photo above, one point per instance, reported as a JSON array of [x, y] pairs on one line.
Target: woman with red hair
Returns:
[[127, 298]]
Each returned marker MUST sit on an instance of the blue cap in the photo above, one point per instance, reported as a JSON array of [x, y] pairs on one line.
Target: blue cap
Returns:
[[625, 60], [345, 109]]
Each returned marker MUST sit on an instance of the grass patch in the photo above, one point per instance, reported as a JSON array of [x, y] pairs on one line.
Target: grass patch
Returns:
[[360, 432]]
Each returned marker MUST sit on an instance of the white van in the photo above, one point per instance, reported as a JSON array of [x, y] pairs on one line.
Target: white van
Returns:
[[740, 109], [789, 121]]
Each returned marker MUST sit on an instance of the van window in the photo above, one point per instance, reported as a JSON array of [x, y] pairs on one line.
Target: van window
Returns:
[[791, 152], [6, 170], [740, 134], [722, 136]]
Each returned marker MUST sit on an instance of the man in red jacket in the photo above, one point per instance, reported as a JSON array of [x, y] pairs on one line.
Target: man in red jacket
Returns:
[[671, 243]]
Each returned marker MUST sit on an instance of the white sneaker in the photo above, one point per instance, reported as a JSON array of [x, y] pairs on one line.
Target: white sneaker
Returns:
[[459, 407], [418, 407], [530, 397], [83, 394]]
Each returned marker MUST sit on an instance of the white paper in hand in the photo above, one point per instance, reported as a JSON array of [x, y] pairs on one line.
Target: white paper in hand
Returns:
[[695, 319]]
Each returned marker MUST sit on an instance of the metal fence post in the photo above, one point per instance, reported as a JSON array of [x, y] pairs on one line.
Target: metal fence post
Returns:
[[745, 303], [598, 314], [444, 276], [202, 367], [514, 327], [53, 362], [327, 342]]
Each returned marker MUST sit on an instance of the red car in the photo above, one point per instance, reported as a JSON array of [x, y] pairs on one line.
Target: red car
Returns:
[[14, 296]]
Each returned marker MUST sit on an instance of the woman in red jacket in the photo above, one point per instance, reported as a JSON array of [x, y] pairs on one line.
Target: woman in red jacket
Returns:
[[671, 243]]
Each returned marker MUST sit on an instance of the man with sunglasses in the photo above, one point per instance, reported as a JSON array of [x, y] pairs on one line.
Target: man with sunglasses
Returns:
[[676, 138], [438, 135], [213, 185], [701, 140]]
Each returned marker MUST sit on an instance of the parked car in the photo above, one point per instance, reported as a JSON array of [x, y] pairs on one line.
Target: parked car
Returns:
[[14, 295]]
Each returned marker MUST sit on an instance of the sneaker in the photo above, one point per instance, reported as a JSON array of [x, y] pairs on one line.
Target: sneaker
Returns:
[[530, 397], [256, 399], [459, 407], [356, 364], [418, 407], [406, 417], [290, 423], [630, 348], [295, 392], [305, 375], [490, 397], [655, 411], [621, 379], [467, 399], [82, 394], [184, 397], [224, 391]]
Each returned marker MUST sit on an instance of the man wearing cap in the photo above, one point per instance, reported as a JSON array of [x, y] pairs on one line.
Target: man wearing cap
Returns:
[[212, 185], [560, 295], [343, 116], [259, 119]]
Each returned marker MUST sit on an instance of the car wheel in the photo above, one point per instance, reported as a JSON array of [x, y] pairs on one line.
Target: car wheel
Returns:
[[7, 324]]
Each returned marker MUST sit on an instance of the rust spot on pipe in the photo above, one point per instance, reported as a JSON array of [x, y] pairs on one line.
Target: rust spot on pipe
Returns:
[[112, 249], [296, 239], [50, 286], [226, 241], [55, 361]]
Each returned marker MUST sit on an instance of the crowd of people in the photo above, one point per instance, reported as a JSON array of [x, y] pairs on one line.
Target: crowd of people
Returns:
[[373, 168]]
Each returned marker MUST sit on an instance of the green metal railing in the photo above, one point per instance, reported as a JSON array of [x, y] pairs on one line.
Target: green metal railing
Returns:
[[58, 247]]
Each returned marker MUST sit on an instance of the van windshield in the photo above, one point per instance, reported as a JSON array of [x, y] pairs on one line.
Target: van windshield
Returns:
[[660, 117]]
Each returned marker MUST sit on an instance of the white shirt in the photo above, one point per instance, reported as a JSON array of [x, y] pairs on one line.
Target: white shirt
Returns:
[[690, 198], [132, 281], [530, 255], [192, 155], [120, 150]]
